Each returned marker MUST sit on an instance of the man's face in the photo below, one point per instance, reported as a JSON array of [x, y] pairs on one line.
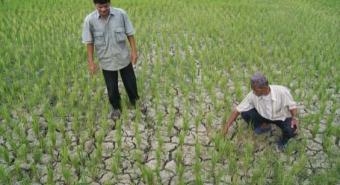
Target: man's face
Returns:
[[260, 91], [103, 9]]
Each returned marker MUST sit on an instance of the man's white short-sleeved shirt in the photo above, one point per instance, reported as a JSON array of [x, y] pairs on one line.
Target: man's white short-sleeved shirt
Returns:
[[274, 106]]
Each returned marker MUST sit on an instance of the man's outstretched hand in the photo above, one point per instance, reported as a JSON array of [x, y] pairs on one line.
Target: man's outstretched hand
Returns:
[[225, 130]]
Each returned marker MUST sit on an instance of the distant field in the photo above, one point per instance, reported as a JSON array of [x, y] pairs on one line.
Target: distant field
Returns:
[[195, 61]]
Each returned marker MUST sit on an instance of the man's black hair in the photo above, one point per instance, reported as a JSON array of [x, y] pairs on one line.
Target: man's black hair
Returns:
[[101, 1]]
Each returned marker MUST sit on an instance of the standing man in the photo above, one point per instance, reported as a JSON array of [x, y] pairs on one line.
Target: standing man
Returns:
[[267, 104], [105, 30]]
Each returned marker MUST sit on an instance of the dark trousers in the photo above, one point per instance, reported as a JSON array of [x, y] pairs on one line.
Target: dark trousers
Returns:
[[129, 80], [253, 118]]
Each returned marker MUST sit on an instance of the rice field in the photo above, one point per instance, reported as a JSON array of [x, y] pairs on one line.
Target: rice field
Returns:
[[195, 61]]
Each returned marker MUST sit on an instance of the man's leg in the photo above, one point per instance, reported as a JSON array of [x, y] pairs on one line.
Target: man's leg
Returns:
[[287, 131], [111, 80], [253, 118], [129, 81]]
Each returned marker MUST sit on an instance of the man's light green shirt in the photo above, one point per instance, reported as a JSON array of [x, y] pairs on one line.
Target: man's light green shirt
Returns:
[[109, 38]]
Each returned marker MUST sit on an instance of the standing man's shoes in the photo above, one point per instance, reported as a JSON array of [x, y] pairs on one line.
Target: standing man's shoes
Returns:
[[115, 114], [143, 108]]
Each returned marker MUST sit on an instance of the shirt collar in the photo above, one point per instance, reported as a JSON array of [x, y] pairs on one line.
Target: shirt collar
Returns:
[[273, 93], [111, 12]]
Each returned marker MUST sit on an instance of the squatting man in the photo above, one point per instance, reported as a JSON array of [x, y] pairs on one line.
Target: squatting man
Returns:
[[266, 105]]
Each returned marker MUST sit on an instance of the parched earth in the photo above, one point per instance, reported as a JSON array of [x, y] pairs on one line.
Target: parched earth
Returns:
[[129, 171], [248, 155]]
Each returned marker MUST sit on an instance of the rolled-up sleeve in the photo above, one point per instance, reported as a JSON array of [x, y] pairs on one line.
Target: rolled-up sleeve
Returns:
[[128, 25], [246, 103], [288, 100], [87, 35]]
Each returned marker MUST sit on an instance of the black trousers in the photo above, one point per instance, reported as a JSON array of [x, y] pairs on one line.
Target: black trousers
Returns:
[[253, 118], [129, 80]]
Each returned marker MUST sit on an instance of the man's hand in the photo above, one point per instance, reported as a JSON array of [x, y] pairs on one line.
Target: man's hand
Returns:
[[225, 130], [295, 124], [230, 121], [92, 67], [133, 58]]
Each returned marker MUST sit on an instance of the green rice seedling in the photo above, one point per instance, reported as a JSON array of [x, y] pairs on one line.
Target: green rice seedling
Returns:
[[76, 160], [153, 88], [159, 157], [316, 126], [22, 152], [214, 161], [4, 153], [64, 155], [50, 174], [67, 175], [198, 120], [115, 169], [23, 133], [98, 153], [5, 114], [137, 134], [298, 168], [51, 133], [93, 170], [36, 126], [181, 138], [76, 125], [197, 164], [238, 91], [186, 122], [327, 143], [209, 123], [233, 168], [100, 136], [91, 127], [260, 172], [248, 155], [278, 177], [105, 125], [180, 167], [147, 174], [329, 121], [34, 175], [138, 118], [3, 130], [119, 134], [171, 121], [323, 178], [16, 169], [116, 161], [37, 154], [138, 156], [61, 110], [4, 176]]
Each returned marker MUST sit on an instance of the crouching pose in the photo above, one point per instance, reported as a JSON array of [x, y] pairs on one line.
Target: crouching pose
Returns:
[[265, 105]]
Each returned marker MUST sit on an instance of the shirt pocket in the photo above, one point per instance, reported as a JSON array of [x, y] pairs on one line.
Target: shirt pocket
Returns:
[[120, 34], [99, 39]]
